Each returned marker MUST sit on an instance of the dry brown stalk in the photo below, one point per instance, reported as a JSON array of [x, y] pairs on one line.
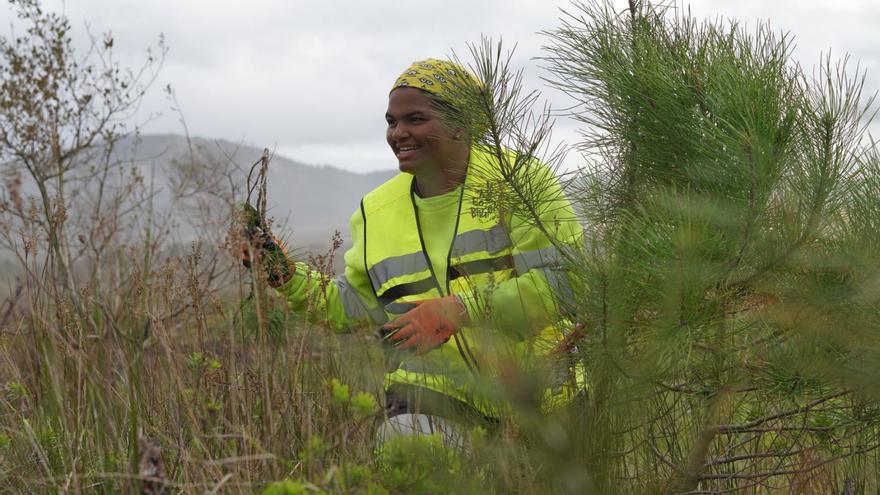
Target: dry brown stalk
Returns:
[[10, 306]]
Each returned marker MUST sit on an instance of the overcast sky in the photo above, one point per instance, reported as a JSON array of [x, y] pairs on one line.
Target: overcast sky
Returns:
[[311, 77]]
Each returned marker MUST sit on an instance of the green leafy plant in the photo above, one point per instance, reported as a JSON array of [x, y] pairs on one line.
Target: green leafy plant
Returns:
[[421, 464]]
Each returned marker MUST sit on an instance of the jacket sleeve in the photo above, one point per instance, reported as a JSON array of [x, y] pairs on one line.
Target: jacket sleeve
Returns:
[[344, 302], [540, 291]]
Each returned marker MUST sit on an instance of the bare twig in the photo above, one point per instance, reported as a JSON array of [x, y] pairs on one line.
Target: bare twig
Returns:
[[10, 305]]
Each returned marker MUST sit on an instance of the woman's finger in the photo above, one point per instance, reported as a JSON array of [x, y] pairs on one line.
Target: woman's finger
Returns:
[[413, 341], [402, 334]]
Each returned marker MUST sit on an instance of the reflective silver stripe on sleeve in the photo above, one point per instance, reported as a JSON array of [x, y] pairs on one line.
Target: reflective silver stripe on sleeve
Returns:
[[397, 266], [549, 260], [559, 284], [353, 305], [540, 258], [492, 240]]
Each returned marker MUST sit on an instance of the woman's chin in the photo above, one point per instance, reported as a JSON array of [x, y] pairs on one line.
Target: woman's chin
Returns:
[[406, 166]]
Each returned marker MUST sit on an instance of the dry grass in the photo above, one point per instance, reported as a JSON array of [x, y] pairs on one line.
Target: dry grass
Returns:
[[165, 360]]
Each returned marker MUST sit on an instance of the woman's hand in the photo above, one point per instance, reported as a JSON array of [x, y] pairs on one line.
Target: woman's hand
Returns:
[[270, 251], [428, 325]]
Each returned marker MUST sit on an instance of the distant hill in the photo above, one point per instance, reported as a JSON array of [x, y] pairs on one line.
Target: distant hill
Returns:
[[310, 202], [307, 202]]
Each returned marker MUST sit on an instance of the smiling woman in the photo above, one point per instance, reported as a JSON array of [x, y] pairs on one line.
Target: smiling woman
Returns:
[[427, 146], [460, 295]]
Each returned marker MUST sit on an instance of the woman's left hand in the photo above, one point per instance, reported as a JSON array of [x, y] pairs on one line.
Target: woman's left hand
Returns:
[[428, 325]]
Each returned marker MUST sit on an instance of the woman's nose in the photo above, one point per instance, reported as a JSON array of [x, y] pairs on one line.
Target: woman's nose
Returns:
[[399, 131]]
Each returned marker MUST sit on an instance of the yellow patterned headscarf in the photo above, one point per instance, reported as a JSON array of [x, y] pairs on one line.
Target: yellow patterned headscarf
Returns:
[[449, 82], [438, 77]]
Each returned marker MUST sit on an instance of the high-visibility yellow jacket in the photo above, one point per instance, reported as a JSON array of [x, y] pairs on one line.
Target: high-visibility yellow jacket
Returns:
[[509, 273]]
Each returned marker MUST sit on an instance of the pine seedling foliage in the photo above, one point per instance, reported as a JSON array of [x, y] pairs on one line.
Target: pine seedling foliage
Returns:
[[501, 117], [728, 278]]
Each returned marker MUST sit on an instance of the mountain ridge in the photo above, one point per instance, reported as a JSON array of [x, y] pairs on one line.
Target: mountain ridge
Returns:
[[312, 201], [308, 203]]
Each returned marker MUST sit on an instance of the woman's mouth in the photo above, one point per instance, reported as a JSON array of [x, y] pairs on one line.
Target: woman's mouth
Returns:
[[404, 152]]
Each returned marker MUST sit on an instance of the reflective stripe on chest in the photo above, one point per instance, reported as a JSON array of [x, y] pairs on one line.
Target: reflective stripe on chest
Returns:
[[396, 262]]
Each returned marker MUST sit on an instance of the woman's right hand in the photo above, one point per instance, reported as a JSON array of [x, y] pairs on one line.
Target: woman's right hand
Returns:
[[272, 255], [260, 243]]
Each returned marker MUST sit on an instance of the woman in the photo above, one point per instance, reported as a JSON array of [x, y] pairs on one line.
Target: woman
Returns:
[[463, 294]]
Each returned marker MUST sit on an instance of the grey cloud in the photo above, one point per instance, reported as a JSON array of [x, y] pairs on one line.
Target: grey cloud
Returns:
[[313, 75]]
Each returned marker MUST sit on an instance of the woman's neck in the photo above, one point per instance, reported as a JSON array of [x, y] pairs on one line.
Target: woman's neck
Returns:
[[438, 181]]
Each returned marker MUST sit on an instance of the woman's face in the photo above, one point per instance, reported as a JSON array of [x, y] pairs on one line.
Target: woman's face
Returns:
[[416, 133]]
